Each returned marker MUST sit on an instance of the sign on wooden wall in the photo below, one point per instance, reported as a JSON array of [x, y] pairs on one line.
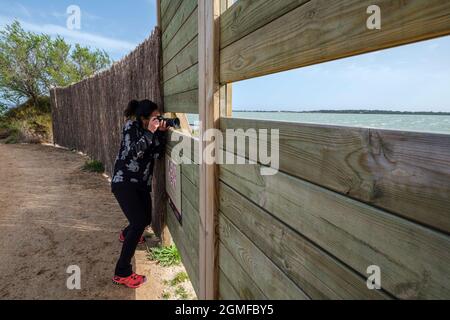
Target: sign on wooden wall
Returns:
[[173, 186]]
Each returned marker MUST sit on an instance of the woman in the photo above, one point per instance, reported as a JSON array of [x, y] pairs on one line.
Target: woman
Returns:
[[143, 141]]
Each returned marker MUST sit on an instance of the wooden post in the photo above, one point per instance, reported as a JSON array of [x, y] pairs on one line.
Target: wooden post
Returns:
[[158, 13], [209, 109], [159, 197], [226, 109]]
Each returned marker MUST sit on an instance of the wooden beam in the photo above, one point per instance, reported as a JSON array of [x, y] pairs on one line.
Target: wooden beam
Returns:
[[324, 30], [226, 290], [237, 277], [185, 102], [407, 173], [167, 17], [185, 81], [184, 59], [165, 4], [317, 272], [183, 237], [226, 101], [209, 107], [248, 16], [184, 36], [354, 234], [183, 12], [194, 143], [158, 13], [270, 279]]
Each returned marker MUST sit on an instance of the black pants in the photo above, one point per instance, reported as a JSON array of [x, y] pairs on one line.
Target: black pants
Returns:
[[136, 205]]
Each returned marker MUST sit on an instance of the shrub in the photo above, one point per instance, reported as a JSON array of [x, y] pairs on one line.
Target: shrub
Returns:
[[33, 123], [181, 293], [94, 166], [179, 278], [166, 256], [14, 136]]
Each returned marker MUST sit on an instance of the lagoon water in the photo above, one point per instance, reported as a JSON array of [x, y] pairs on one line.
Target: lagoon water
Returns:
[[424, 123]]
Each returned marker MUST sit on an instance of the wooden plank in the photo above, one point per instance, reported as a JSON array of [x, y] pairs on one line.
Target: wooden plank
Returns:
[[169, 12], [190, 192], [158, 13], [320, 275], [404, 172], [414, 260], [265, 274], [226, 290], [185, 59], [164, 6], [184, 82], [324, 30], [186, 231], [185, 102], [190, 222], [188, 251], [209, 107], [191, 172], [159, 197], [175, 137], [242, 284], [245, 17], [183, 12], [184, 36], [225, 90]]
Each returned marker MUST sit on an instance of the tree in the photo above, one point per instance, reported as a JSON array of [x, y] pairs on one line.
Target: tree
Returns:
[[86, 62], [3, 109], [30, 64]]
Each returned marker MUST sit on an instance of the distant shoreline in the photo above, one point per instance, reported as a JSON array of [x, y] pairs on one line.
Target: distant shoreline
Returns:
[[420, 113]]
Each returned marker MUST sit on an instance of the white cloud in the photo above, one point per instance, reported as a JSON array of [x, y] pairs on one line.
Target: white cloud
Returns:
[[24, 10], [73, 36], [84, 15]]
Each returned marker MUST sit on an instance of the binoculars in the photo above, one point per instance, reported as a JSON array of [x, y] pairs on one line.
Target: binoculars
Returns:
[[171, 123]]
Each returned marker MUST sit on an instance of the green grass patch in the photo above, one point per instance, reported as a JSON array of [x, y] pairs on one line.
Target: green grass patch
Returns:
[[27, 123], [181, 292], [93, 166], [179, 278], [14, 136], [166, 295], [165, 256]]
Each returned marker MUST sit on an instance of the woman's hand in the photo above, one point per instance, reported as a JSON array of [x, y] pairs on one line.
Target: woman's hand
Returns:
[[163, 126], [153, 125]]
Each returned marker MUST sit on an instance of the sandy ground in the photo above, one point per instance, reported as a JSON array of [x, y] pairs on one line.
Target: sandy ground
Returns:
[[52, 216]]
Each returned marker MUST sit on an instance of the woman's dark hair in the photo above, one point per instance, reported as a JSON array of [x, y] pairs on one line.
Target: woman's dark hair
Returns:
[[140, 109]]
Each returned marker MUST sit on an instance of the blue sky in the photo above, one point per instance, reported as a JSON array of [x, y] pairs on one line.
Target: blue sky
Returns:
[[409, 78], [116, 26], [415, 77]]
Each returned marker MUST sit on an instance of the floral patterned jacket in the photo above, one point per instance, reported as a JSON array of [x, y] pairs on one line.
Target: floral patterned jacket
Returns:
[[138, 150]]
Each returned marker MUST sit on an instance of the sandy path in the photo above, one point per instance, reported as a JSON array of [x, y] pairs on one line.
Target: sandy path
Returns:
[[52, 215]]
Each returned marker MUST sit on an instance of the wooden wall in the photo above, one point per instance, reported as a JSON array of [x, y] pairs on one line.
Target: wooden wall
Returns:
[[179, 40], [186, 234], [344, 198], [179, 27], [316, 239], [260, 37]]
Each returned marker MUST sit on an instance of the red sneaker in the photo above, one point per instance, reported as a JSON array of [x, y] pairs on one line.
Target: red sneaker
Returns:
[[134, 281], [122, 239]]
